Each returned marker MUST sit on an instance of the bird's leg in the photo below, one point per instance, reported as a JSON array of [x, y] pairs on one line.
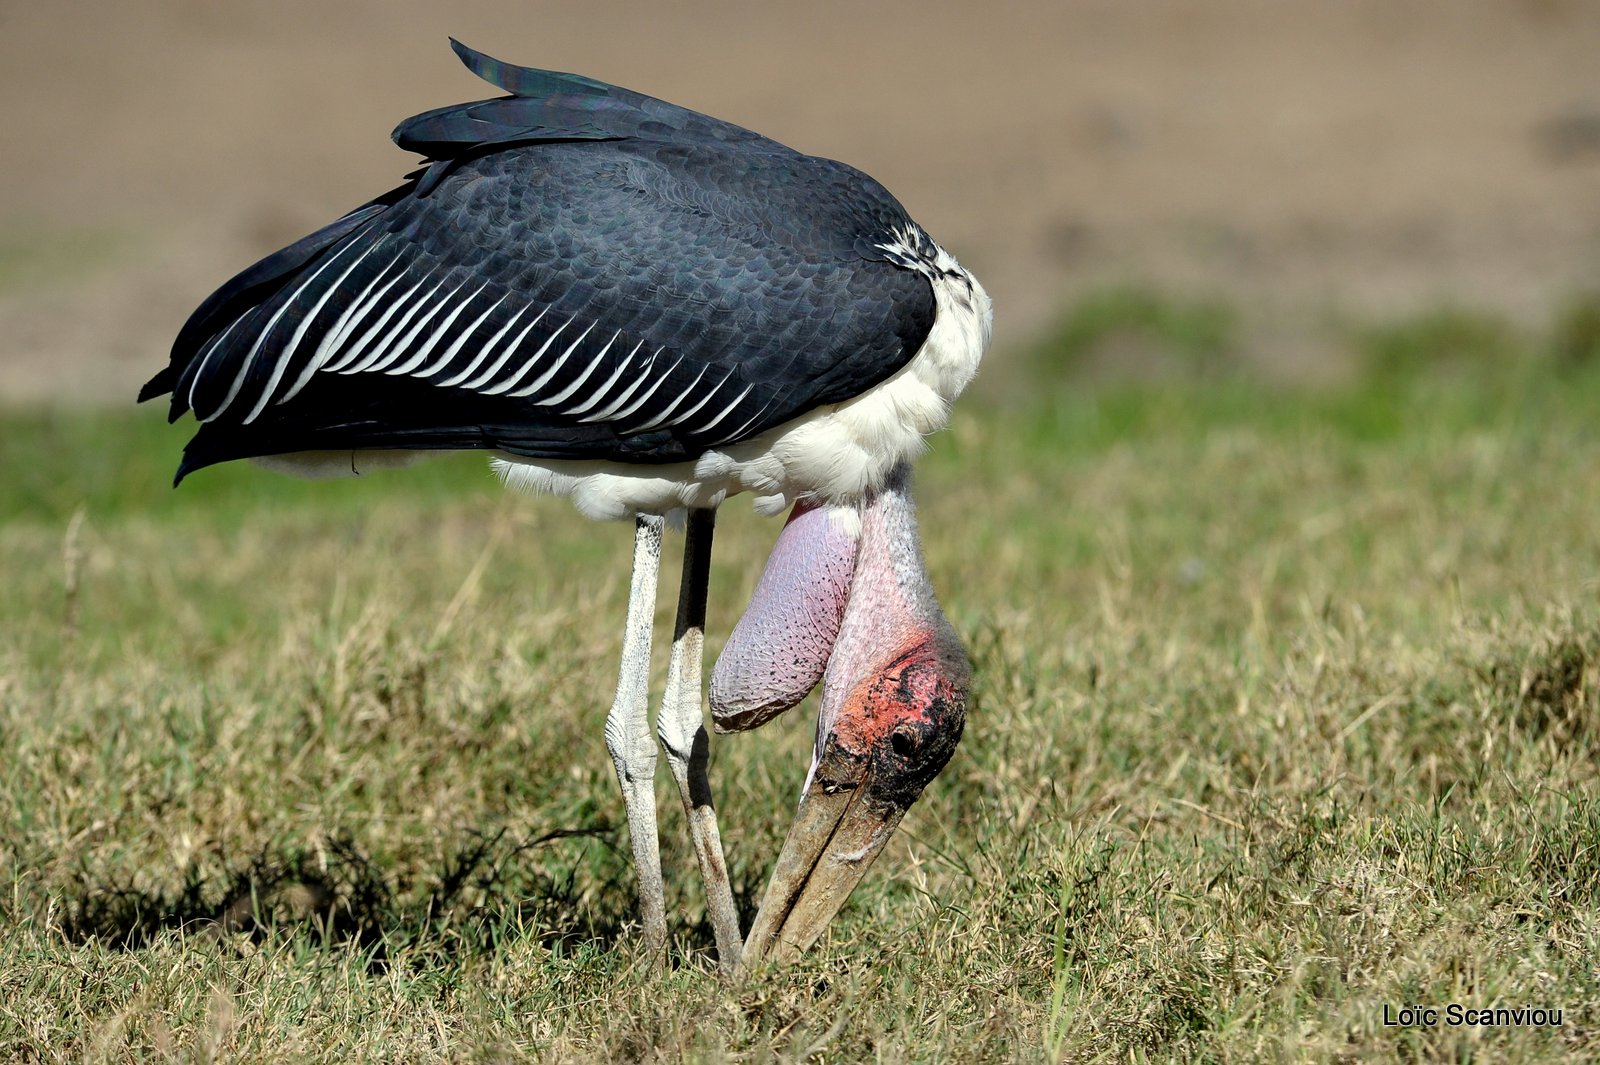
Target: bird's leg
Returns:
[[628, 731], [681, 725]]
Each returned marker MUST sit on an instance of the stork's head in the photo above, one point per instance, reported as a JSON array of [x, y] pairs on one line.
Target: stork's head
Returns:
[[845, 598]]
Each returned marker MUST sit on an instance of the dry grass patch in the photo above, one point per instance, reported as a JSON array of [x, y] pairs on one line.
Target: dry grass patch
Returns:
[[1285, 712]]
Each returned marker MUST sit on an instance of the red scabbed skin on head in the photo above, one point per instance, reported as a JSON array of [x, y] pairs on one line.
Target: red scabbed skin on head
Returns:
[[904, 721], [898, 695]]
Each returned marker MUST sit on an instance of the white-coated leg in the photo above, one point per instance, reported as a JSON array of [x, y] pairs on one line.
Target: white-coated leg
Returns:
[[681, 726], [628, 738]]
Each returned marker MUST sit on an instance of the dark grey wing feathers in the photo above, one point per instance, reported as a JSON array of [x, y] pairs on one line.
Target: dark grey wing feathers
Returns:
[[244, 290], [623, 298]]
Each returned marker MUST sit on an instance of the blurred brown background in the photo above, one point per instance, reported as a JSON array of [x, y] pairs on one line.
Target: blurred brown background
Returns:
[[1362, 157]]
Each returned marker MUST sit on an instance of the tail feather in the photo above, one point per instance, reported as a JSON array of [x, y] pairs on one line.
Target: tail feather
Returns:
[[529, 81], [548, 105]]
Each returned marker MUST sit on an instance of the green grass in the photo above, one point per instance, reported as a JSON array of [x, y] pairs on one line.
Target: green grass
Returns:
[[1287, 709]]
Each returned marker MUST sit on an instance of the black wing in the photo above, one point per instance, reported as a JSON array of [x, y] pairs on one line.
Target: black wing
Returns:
[[594, 284]]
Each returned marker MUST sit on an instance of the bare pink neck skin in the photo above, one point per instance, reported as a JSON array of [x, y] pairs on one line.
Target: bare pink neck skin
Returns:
[[893, 641], [855, 611]]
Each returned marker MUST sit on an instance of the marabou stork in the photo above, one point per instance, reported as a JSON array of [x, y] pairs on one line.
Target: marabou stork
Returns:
[[647, 309]]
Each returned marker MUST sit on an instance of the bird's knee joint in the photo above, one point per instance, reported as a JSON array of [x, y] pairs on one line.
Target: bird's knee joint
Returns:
[[633, 758]]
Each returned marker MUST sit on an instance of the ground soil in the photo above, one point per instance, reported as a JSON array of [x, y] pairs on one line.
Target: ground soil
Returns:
[[1365, 157]]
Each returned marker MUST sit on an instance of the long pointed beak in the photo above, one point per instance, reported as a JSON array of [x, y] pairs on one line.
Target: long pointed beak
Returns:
[[839, 829]]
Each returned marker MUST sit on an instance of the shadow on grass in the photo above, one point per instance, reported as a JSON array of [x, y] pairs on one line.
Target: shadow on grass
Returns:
[[482, 893], [340, 896], [1552, 686]]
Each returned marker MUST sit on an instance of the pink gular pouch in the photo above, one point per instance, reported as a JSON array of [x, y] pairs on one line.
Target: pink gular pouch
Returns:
[[779, 649], [844, 599]]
